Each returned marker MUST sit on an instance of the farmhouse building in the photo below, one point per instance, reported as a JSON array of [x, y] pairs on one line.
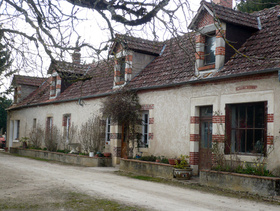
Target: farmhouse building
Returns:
[[218, 84]]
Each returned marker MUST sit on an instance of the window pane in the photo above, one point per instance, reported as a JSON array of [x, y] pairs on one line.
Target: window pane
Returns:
[[259, 120], [206, 111], [210, 47], [241, 116], [259, 141], [241, 140], [247, 128], [122, 69], [250, 141], [250, 116]]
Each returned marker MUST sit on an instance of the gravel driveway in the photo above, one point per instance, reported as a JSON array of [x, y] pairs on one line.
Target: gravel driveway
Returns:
[[27, 179]]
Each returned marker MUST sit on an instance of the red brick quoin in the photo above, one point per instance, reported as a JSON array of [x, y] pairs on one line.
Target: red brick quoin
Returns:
[[194, 158]]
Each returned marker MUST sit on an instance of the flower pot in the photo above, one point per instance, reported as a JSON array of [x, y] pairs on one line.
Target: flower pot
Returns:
[[173, 161], [183, 174], [91, 154], [107, 154]]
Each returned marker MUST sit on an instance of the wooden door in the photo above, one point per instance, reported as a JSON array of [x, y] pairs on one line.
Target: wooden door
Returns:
[[124, 142], [205, 144]]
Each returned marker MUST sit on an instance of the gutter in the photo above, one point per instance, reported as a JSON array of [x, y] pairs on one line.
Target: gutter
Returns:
[[270, 70]]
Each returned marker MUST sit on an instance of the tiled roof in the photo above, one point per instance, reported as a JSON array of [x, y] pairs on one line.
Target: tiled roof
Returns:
[[100, 81], [100, 75], [230, 16], [40, 95], [67, 67], [175, 65], [139, 44], [27, 80], [262, 48]]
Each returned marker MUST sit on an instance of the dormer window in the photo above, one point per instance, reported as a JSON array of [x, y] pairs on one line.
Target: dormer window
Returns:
[[122, 69], [210, 47], [55, 86]]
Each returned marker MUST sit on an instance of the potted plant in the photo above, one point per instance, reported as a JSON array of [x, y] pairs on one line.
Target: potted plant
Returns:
[[182, 169], [24, 142], [172, 161]]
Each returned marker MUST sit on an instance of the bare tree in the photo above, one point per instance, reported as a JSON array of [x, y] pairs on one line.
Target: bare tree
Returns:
[[31, 27], [92, 135], [36, 136]]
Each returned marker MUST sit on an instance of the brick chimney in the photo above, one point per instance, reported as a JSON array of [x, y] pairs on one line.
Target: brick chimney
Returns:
[[225, 3], [76, 56]]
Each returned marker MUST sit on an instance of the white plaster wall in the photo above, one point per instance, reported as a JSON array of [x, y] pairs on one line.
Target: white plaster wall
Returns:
[[174, 107], [172, 111], [171, 121], [79, 114]]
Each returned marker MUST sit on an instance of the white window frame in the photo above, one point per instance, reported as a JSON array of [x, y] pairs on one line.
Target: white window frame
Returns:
[[145, 130], [16, 129], [68, 119]]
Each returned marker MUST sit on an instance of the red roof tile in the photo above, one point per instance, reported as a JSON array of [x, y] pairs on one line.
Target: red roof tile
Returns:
[[67, 67], [176, 64], [229, 15], [139, 44], [262, 48], [27, 80]]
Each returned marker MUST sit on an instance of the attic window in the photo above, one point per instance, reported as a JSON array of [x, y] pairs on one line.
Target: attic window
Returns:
[[122, 69], [209, 51]]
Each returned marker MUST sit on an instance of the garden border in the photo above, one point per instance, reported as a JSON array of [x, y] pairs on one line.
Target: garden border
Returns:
[[261, 185], [64, 158], [152, 169]]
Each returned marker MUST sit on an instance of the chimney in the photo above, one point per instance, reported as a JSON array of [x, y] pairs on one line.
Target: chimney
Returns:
[[225, 3], [76, 56]]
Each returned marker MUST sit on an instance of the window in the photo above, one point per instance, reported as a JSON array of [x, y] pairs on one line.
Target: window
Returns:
[[210, 47], [122, 69], [16, 129], [246, 128], [108, 125], [145, 129], [66, 123], [55, 82], [34, 122], [49, 125]]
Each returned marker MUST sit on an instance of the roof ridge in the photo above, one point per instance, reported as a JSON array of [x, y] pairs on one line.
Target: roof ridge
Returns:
[[139, 38]]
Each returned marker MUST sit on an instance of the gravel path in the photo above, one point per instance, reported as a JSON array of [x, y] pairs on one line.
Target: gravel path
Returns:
[[24, 178]]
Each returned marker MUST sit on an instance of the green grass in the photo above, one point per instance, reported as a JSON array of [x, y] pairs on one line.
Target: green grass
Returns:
[[65, 201]]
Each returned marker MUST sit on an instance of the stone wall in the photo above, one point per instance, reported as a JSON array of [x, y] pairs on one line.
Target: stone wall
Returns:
[[265, 186], [64, 158], [152, 169]]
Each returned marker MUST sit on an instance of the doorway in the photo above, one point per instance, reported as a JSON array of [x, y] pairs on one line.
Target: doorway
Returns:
[[124, 142], [205, 142]]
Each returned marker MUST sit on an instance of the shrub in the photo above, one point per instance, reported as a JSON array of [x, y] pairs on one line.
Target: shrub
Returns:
[[36, 137], [92, 135], [52, 139]]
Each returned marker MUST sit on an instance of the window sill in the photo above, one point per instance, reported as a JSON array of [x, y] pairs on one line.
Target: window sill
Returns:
[[146, 149], [119, 83], [207, 67]]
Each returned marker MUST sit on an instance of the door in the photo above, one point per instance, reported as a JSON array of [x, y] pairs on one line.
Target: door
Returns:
[[205, 144], [124, 142]]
